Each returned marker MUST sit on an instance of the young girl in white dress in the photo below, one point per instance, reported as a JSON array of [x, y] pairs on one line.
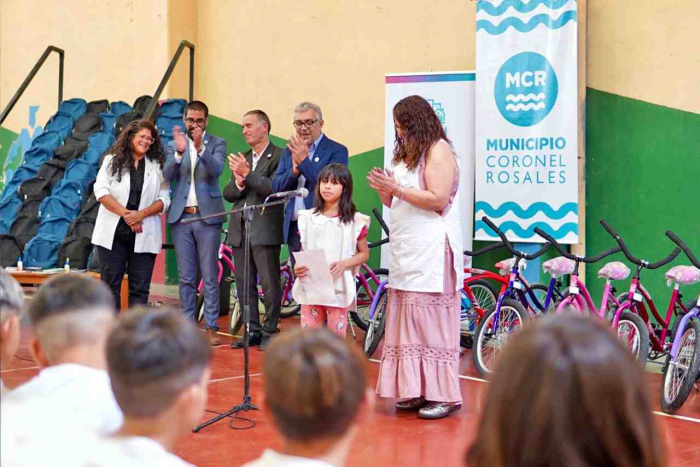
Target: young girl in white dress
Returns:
[[335, 226]]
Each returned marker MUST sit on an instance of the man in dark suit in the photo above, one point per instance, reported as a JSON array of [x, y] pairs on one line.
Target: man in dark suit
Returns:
[[251, 184], [195, 161], [307, 153]]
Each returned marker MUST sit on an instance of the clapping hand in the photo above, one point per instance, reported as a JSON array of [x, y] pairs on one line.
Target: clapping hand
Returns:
[[382, 180], [299, 149], [180, 139], [239, 167]]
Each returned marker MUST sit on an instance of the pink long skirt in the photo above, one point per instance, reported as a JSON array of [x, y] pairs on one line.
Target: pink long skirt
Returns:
[[421, 344]]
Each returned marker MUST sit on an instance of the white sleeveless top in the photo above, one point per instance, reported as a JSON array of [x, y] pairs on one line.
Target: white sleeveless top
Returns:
[[339, 241], [417, 239]]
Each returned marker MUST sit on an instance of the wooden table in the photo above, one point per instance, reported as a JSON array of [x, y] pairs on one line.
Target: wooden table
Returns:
[[37, 278]]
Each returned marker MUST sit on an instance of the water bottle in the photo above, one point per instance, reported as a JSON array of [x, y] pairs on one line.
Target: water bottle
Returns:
[[66, 267], [20, 264]]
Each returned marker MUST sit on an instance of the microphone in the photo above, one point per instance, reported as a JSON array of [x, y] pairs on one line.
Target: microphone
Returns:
[[300, 193]]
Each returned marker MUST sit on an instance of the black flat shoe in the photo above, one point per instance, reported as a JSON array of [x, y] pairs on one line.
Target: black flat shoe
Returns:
[[253, 340], [416, 403], [264, 342]]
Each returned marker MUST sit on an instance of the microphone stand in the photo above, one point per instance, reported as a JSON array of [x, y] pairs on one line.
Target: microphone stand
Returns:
[[246, 405]]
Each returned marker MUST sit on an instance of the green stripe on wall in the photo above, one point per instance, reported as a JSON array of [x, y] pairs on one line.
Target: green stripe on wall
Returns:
[[642, 176]]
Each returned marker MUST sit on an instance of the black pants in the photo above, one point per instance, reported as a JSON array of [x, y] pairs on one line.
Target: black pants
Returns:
[[122, 259], [264, 262]]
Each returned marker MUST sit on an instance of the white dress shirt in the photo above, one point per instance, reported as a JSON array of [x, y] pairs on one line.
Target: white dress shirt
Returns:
[[272, 458], [3, 390], [60, 399], [155, 187], [299, 201], [192, 195]]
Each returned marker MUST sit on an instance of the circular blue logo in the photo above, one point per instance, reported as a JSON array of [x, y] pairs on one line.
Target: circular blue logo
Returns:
[[526, 89]]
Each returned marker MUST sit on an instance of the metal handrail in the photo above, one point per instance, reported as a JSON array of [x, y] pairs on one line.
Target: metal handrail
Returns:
[[31, 76], [168, 72]]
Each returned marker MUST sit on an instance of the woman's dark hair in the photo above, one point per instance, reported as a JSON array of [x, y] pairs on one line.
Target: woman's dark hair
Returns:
[[315, 383], [336, 173], [567, 392], [421, 129], [123, 149]]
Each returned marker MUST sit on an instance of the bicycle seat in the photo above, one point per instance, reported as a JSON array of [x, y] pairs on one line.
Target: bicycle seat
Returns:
[[683, 275], [559, 266], [615, 271], [505, 266]]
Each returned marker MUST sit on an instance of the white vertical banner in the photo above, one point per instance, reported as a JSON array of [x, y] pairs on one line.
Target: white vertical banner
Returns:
[[526, 124], [452, 96]]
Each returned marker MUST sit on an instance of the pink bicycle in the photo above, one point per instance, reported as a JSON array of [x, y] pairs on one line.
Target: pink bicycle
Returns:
[[630, 328]]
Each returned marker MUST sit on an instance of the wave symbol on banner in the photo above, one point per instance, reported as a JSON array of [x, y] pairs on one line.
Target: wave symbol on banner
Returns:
[[518, 5], [528, 232], [524, 98], [526, 213], [520, 26], [519, 107]]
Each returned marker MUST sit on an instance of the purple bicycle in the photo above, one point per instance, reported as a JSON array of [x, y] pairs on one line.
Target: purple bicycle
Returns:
[[682, 368]]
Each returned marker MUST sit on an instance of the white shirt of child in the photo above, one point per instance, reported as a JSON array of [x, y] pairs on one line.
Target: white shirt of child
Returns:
[[272, 458], [60, 399]]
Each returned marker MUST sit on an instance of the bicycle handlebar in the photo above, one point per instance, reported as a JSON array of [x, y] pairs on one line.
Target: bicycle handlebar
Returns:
[[566, 254], [634, 259], [385, 228], [485, 249], [693, 259], [379, 243], [509, 246]]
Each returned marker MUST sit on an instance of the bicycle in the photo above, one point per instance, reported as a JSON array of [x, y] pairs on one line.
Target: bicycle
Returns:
[[638, 296], [376, 313], [682, 367], [630, 327], [515, 304]]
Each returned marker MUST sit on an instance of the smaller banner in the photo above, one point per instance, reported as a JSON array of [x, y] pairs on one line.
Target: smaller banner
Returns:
[[452, 96], [527, 119]]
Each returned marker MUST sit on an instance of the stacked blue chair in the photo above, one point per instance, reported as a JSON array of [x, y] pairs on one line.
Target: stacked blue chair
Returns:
[[171, 115]]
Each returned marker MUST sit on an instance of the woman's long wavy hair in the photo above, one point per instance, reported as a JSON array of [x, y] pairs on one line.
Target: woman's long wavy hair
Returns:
[[420, 127], [123, 149]]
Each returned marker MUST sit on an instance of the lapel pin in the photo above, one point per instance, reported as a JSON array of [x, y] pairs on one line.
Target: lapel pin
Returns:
[[317, 159], [269, 156]]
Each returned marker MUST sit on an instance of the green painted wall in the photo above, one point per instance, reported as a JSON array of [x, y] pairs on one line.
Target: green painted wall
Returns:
[[642, 176], [6, 139]]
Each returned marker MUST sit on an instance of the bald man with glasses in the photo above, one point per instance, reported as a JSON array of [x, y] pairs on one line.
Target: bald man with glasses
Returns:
[[308, 151]]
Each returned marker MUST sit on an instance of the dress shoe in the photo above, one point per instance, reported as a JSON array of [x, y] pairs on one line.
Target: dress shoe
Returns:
[[253, 339], [436, 410], [416, 403], [213, 337], [264, 342]]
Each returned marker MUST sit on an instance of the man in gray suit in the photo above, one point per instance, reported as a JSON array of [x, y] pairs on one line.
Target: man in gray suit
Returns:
[[195, 161], [251, 184]]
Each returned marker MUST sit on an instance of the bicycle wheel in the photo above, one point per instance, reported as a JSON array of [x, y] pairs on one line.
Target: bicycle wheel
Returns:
[[236, 318], [680, 374], [289, 306], [375, 327], [360, 316], [489, 343], [199, 307], [486, 300], [632, 331], [540, 292]]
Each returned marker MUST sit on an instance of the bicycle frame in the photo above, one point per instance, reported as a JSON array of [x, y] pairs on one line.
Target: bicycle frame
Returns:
[[635, 302], [579, 294], [516, 283], [375, 299]]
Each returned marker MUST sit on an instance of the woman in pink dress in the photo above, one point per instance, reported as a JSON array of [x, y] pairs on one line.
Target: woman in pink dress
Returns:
[[420, 362]]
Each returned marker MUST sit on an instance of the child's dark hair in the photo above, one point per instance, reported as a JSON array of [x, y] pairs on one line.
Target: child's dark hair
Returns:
[[336, 173]]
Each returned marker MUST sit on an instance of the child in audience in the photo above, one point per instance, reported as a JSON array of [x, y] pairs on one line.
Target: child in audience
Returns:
[[316, 390], [334, 226], [566, 392], [71, 316], [11, 307]]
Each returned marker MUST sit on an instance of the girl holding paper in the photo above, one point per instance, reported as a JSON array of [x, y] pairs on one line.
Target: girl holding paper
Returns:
[[335, 226]]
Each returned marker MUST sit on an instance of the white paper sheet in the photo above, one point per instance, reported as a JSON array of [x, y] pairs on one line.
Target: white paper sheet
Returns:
[[318, 283]]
